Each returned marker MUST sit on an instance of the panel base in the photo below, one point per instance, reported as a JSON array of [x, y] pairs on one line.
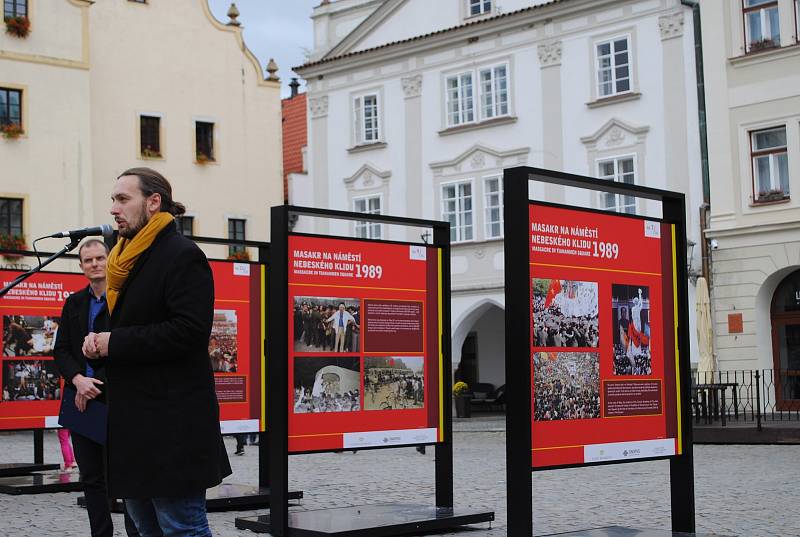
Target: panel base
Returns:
[[618, 531], [225, 497], [41, 483], [24, 468], [379, 520]]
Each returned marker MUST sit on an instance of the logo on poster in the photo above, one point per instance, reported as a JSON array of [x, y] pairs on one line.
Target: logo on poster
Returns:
[[652, 229], [417, 253], [241, 269]]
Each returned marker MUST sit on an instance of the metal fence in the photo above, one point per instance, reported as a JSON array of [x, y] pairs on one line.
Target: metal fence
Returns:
[[744, 395]]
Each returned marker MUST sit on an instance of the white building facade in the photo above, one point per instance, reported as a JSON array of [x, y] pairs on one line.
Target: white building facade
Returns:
[[753, 72], [99, 87], [415, 111]]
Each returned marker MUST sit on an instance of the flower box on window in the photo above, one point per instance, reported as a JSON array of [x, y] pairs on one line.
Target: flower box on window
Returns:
[[202, 158], [18, 26], [763, 44], [239, 255], [12, 131], [772, 195], [12, 242], [150, 153]]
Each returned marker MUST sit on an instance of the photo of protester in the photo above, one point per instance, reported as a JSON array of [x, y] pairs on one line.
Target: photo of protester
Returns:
[[324, 324], [631, 321], [327, 384], [566, 386], [30, 380], [565, 313], [29, 335], [392, 382], [222, 345]]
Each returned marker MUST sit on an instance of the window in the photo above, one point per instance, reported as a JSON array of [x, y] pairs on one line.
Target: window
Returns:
[[770, 164], [460, 106], [370, 205], [622, 170], [150, 136], [797, 21], [761, 24], [365, 109], [493, 206], [186, 225], [11, 217], [15, 8], [494, 91], [204, 141], [479, 7], [457, 209], [613, 67], [10, 107], [236, 232]]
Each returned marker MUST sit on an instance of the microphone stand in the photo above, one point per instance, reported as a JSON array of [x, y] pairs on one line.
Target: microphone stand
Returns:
[[22, 277]]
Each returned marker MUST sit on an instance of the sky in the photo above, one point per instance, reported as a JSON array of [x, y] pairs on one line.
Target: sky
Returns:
[[279, 29]]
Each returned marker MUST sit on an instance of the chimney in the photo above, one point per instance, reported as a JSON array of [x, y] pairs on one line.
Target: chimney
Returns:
[[295, 85]]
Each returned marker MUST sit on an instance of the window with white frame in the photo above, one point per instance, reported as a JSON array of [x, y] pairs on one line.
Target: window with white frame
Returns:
[[770, 164], [479, 7], [460, 101], [621, 170], [797, 21], [493, 206], [761, 24], [367, 127], [613, 66], [457, 209], [494, 91], [368, 205]]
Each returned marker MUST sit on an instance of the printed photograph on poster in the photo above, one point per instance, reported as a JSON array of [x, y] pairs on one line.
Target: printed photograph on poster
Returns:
[[327, 384], [565, 313], [566, 386], [29, 335], [30, 380], [394, 382], [326, 324], [223, 347], [631, 321]]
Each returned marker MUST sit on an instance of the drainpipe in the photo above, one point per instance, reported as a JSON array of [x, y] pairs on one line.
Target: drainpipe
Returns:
[[701, 120]]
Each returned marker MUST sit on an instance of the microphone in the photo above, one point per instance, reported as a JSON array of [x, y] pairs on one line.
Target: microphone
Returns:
[[77, 234]]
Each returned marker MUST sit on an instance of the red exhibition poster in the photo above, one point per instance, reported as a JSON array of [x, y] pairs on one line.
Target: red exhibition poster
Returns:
[[31, 315], [365, 368], [603, 357]]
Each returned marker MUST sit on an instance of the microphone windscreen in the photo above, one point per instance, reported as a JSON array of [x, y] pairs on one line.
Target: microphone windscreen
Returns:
[[108, 231]]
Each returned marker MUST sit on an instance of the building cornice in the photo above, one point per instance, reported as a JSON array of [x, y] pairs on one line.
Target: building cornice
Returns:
[[755, 229], [507, 23]]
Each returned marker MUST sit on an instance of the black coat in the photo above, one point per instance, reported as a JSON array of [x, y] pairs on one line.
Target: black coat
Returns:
[[68, 350], [164, 438]]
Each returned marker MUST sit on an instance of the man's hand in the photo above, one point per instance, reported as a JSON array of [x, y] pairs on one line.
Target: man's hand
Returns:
[[86, 387], [101, 343], [80, 402], [89, 347]]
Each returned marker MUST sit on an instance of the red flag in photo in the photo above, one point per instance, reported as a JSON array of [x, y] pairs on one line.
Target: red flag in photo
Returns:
[[555, 288], [636, 337]]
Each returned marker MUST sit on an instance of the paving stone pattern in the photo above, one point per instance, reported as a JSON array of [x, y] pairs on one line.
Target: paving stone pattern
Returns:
[[740, 490]]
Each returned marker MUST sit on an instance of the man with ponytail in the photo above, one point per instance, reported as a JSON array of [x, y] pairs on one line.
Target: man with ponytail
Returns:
[[164, 445]]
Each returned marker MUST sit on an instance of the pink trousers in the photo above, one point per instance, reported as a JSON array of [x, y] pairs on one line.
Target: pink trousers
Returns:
[[66, 448]]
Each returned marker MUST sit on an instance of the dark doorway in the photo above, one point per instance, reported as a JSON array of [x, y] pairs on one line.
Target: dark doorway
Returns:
[[786, 342], [468, 369]]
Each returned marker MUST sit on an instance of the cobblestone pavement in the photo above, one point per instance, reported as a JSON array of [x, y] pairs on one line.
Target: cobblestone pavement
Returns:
[[740, 490]]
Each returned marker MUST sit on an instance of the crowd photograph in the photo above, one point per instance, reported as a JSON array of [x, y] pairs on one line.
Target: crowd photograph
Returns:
[[324, 324], [394, 383], [223, 348], [29, 335], [565, 313], [631, 321], [327, 384], [566, 386], [30, 380]]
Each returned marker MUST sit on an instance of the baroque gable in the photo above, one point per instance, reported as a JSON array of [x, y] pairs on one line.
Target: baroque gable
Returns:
[[480, 157], [366, 178], [615, 133]]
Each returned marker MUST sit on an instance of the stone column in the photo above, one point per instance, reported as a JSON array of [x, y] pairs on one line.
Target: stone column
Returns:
[[552, 131], [318, 141]]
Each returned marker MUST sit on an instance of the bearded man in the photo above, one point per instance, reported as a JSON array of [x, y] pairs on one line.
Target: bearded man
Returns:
[[164, 443]]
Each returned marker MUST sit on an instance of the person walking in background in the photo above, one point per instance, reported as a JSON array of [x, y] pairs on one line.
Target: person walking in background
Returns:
[[66, 449]]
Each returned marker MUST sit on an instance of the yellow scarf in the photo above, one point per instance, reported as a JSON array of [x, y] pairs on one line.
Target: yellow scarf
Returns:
[[123, 256]]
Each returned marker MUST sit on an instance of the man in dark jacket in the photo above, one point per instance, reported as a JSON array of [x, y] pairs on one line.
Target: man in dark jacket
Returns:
[[84, 312], [164, 443]]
